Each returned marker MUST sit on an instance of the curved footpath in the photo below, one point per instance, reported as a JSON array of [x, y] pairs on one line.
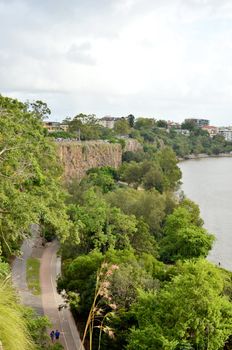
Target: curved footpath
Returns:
[[30, 247], [61, 320], [46, 304]]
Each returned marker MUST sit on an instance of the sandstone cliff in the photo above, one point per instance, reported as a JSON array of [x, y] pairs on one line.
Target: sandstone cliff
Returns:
[[132, 145], [77, 157]]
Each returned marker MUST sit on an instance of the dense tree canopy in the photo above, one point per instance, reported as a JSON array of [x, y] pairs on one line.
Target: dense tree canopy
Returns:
[[30, 188], [189, 312]]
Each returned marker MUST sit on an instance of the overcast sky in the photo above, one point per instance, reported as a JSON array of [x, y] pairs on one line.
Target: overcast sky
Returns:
[[168, 59]]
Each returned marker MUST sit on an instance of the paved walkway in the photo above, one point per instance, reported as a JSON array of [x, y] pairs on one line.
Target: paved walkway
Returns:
[[19, 272], [46, 304], [61, 320]]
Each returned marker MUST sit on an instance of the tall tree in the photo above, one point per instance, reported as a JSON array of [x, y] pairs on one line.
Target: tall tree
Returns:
[[122, 126], [189, 312], [30, 189]]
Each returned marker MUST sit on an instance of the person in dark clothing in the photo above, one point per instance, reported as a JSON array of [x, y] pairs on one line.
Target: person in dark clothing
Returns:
[[52, 336], [57, 334]]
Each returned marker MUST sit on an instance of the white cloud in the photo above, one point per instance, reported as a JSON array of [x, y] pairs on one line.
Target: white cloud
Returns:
[[81, 53], [169, 58]]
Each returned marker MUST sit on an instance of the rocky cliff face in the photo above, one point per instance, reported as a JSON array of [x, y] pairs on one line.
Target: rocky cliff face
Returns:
[[78, 157], [132, 145]]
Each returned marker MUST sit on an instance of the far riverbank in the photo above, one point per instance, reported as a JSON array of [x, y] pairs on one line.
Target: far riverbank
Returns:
[[204, 155]]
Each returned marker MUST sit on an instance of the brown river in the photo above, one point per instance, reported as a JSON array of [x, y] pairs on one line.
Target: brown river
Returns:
[[208, 182]]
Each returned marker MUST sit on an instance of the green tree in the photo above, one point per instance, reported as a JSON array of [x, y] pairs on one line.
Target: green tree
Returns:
[[154, 179], [103, 227], [132, 173], [79, 276], [122, 127], [189, 312], [131, 120], [148, 206], [183, 239], [168, 164], [30, 189], [189, 125], [40, 109], [37, 327], [162, 124], [84, 127], [144, 123]]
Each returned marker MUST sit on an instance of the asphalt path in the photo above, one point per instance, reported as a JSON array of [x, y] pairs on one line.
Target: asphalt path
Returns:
[[61, 320], [18, 269], [49, 300]]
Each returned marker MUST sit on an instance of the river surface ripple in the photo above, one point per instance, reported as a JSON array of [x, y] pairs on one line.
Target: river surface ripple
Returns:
[[208, 182]]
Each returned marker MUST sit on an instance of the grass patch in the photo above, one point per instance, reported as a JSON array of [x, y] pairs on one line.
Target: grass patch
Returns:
[[33, 266]]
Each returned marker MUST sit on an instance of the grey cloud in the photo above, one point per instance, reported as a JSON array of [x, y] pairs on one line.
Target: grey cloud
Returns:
[[81, 54], [38, 36]]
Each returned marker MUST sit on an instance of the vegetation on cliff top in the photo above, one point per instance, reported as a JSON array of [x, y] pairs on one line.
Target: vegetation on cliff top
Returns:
[[148, 131]]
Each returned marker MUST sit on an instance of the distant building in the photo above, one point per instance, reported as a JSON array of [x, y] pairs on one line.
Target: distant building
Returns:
[[108, 121], [198, 122], [55, 126], [212, 130], [226, 132], [173, 125], [182, 132], [64, 127], [51, 126]]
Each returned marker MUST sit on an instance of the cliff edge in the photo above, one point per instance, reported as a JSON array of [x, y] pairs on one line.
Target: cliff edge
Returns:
[[79, 156]]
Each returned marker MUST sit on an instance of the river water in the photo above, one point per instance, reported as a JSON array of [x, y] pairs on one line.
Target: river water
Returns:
[[208, 182]]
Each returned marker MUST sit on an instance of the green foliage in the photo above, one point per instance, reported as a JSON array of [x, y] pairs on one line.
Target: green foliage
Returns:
[[32, 271], [56, 346], [188, 125], [188, 312], [144, 123], [168, 164], [80, 276], [162, 124], [148, 206], [104, 178], [84, 127], [183, 236], [102, 227], [30, 189], [122, 127], [161, 173], [39, 109], [129, 156], [60, 135], [14, 333], [198, 141], [4, 270], [131, 120], [37, 327]]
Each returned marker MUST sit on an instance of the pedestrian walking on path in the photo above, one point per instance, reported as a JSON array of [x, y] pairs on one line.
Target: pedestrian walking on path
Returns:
[[52, 336], [57, 334]]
